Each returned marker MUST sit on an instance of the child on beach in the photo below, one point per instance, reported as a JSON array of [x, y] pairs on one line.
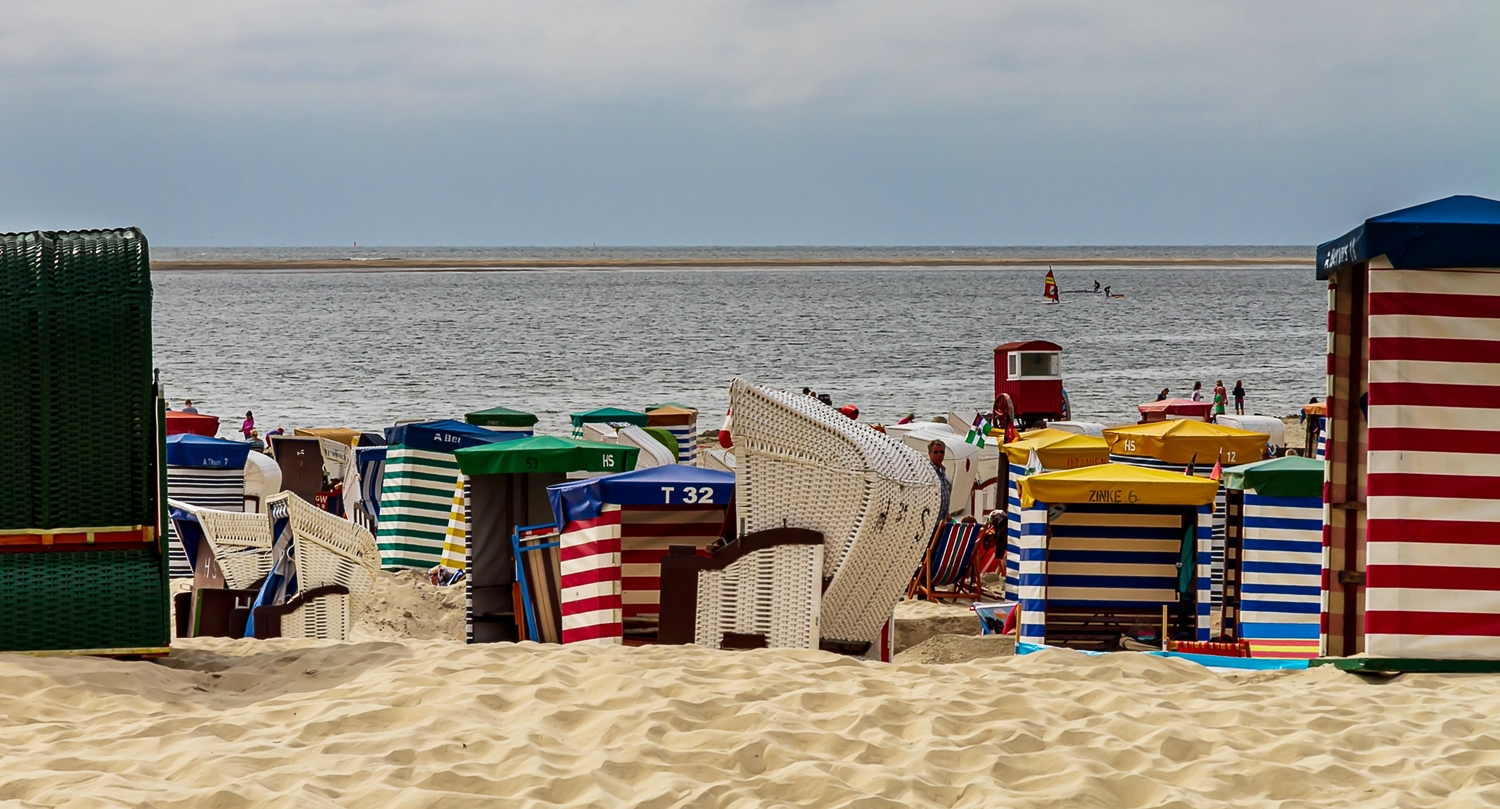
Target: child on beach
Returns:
[[1197, 391], [1239, 397], [1219, 397]]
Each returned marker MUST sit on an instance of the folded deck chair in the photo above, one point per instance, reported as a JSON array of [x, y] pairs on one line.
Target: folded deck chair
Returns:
[[948, 568], [535, 549], [802, 464], [335, 563]]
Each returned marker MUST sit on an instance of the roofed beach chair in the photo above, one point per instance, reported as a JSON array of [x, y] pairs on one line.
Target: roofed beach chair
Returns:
[[804, 465], [335, 563], [238, 543], [949, 568]]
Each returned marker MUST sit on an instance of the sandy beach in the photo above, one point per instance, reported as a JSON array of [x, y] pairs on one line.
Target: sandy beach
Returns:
[[423, 723]]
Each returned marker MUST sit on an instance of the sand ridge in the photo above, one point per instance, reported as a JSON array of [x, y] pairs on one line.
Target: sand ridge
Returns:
[[436, 723]]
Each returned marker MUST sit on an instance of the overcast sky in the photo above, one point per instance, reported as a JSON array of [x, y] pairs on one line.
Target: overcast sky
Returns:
[[691, 123]]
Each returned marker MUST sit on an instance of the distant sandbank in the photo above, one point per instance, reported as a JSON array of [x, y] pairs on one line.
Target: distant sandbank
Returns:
[[520, 265]]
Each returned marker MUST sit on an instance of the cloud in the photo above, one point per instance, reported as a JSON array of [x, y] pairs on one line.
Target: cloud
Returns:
[[757, 122]]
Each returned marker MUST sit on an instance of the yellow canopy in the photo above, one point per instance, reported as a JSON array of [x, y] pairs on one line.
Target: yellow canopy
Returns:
[[1180, 440], [342, 435], [1118, 484], [1058, 449]]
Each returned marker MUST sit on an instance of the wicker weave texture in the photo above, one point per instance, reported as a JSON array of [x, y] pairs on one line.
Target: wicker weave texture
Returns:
[[330, 550], [112, 599], [875, 500], [75, 320], [240, 542]]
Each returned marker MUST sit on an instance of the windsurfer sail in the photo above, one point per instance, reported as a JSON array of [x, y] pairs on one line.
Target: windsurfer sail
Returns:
[[1049, 287]]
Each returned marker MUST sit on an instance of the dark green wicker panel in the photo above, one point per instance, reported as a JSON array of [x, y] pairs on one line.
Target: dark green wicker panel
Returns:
[[78, 309], [82, 600]]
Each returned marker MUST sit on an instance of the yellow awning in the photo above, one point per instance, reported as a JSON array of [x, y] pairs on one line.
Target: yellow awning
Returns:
[[1181, 440], [342, 435], [1118, 484], [1058, 449]]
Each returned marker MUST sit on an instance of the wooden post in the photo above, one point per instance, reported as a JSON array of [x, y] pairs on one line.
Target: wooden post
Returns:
[[1164, 625]]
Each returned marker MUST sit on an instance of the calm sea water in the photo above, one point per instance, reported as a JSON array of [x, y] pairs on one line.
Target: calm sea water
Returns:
[[364, 349]]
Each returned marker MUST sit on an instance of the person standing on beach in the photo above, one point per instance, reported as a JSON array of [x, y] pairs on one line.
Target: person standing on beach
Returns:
[[937, 452], [1239, 397], [1197, 391], [187, 407], [1219, 396], [249, 426]]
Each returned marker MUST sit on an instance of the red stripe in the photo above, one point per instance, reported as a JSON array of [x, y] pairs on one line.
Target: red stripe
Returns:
[[651, 557], [1433, 304], [1424, 439], [1383, 622], [1400, 484], [594, 632], [1434, 349], [1433, 577], [583, 549], [640, 583], [1438, 532], [611, 517], [684, 530], [595, 576], [582, 605], [1431, 394]]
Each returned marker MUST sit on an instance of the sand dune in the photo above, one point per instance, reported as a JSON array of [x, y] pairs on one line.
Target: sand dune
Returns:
[[435, 723]]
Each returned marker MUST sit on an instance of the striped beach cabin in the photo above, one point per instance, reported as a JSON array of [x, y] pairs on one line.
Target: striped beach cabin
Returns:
[[1412, 514], [682, 423], [1104, 548], [606, 415], [416, 490], [503, 420], [1173, 445], [503, 488], [1055, 450], [615, 531], [207, 472], [1273, 566]]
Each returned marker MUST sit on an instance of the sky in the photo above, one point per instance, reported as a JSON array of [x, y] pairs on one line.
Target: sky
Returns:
[[714, 123]]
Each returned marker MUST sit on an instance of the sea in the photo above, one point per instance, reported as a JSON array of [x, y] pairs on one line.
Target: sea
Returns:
[[366, 348]]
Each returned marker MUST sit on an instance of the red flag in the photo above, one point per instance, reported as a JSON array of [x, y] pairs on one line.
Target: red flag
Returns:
[[1218, 469], [1049, 286]]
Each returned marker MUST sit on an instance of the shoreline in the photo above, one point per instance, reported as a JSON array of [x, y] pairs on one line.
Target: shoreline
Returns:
[[524, 265]]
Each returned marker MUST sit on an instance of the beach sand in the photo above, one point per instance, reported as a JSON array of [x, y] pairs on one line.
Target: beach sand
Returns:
[[425, 723]]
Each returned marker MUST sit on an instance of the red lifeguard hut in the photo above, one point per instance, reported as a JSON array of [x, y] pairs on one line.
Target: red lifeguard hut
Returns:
[[1029, 374]]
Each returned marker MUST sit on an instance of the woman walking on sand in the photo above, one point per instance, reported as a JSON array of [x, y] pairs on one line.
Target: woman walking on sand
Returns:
[[1239, 398]]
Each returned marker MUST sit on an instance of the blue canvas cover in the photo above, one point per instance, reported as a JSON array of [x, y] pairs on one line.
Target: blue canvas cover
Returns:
[[446, 435], [200, 452], [370, 461], [673, 485], [1459, 231]]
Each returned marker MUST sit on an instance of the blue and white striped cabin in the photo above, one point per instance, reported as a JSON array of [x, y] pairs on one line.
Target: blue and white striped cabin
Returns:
[[1103, 558], [1013, 532], [1280, 568], [1200, 470]]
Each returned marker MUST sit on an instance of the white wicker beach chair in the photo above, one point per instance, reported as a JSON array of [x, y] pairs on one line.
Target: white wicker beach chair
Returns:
[[774, 593], [336, 563], [802, 464], [240, 543]]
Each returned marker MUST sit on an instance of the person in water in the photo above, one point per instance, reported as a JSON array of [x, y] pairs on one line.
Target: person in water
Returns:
[[1096, 285], [1107, 293], [1162, 397]]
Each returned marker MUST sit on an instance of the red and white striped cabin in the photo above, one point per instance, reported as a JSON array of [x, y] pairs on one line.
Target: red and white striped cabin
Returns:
[[1412, 502]]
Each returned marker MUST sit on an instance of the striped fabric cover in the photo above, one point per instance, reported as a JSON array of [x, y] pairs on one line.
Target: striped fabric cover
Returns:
[[687, 442], [456, 537], [953, 552], [1013, 533], [1321, 453], [416, 498], [1281, 575], [592, 607], [222, 489], [645, 534], [1202, 470], [1433, 499], [1103, 556]]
